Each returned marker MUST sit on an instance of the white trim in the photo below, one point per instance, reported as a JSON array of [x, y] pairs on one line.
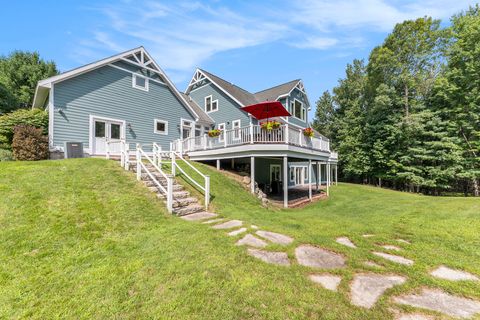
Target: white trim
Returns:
[[134, 82], [218, 86], [239, 122], [221, 137], [91, 130], [165, 122], [302, 107], [51, 116], [132, 72], [270, 172]]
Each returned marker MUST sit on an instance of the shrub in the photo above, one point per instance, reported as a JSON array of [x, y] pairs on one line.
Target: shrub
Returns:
[[31, 117], [29, 143], [5, 155]]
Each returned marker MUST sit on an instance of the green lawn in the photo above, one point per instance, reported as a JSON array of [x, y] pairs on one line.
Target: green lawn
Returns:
[[83, 239]]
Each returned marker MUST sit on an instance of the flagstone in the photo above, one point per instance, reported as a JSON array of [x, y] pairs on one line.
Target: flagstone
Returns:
[[278, 258], [447, 273], [372, 264], [346, 242], [228, 225], [213, 221], [310, 256], [327, 281], [404, 241], [251, 241], [199, 216], [275, 237], [366, 289], [394, 258], [368, 235], [440, 301], [413, 316], [237, 232]]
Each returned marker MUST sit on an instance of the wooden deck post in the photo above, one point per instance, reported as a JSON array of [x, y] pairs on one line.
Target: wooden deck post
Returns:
[[218, 164], [336, 174], [252, 174], [328, 178], [310, 180], [285, 182]]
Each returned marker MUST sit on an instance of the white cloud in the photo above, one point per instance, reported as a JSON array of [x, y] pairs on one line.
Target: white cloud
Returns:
[[320, 43]]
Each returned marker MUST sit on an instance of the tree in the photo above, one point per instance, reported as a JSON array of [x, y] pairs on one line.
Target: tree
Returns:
[[19, 74], [324, 113], [457, 94]]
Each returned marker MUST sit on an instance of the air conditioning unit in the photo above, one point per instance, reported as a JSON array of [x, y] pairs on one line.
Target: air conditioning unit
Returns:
[[73, 150]]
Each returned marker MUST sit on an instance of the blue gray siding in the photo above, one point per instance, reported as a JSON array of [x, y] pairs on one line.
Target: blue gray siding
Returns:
[[107, 92], [296, 94], [228, 109]]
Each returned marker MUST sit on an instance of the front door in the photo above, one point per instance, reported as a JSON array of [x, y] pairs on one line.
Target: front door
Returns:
[[107, 130], [187, 127], [275, 173]]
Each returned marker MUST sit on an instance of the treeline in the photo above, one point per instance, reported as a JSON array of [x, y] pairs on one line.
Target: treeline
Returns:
[[409, 117]]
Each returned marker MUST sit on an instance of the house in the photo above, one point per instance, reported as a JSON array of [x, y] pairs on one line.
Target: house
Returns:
[[128, 98]]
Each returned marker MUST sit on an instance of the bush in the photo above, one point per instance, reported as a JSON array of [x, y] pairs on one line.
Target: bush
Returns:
[[5, 155], [29, 143], [32, 117]]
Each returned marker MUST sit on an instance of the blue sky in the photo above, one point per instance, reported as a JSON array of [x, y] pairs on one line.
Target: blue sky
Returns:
[[254, 44]]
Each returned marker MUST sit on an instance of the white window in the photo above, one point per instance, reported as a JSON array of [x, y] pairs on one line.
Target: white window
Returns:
[[139, 82], [298, 110], [221, 127], [161, 127], [236, 129], [298, 175], [210, 104]]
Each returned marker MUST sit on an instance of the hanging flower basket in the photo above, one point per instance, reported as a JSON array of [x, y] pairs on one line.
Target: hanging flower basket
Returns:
[[214, 133], [308, 132], [270, 125]]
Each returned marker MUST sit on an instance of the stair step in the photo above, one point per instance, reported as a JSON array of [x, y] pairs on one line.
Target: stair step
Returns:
[[180, 194], [184, 202], [176, 186], [192, 208]]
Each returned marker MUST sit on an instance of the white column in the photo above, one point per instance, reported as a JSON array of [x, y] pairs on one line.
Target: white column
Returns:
[[328, 178], [218, 164], [317, 178], [285, 182], [310, 180], [336, 174], [252, 174]]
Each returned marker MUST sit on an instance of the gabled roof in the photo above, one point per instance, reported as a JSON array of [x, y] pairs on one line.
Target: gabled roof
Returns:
[[272, 94], [203, 117], [242, 96], [137, 56]]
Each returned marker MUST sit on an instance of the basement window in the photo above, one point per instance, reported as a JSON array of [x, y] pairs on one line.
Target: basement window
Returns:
[[161, 127], [140, 82]]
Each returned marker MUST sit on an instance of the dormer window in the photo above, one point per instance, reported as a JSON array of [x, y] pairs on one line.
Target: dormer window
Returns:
[[210, 104], [298, 110], [140, 82]]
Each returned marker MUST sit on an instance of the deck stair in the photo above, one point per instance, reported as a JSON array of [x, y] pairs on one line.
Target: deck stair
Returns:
[[183, 202]]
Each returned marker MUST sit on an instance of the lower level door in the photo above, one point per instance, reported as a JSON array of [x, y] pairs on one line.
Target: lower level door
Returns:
[[107, 130]]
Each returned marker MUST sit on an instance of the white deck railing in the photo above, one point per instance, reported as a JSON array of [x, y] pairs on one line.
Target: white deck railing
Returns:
[[252, 134]]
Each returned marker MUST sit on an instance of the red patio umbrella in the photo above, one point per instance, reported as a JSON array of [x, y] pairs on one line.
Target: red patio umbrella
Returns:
[[267, 109]]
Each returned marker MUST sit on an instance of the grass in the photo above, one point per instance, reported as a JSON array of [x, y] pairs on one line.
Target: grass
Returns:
[[82, 239]]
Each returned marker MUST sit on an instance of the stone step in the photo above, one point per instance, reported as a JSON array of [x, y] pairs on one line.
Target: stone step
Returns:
[[184, 202], [176, 186], [176, 195], [188, 210]]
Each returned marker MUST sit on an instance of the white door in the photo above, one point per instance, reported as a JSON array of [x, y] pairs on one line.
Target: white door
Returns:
[[275, 173], [107, 130], [300, 175], [187, 127]]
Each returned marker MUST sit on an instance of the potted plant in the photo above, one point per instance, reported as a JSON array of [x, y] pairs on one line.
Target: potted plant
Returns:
[[308, 132], [270, 125], [214, 133]]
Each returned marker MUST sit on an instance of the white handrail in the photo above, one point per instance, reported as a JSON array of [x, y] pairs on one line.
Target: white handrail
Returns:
[[205, 189], [140, 165]]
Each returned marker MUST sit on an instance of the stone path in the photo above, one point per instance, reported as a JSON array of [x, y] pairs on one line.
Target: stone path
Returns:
[[391, 247], [228, 225], [251, 241], [237, 232], [275, 237], [346, 242], [447, 273], [437, 300], [394, 258], [327, 281], [366, 289], [279, 258], [316, 257], [199, 216], [213, 221]]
